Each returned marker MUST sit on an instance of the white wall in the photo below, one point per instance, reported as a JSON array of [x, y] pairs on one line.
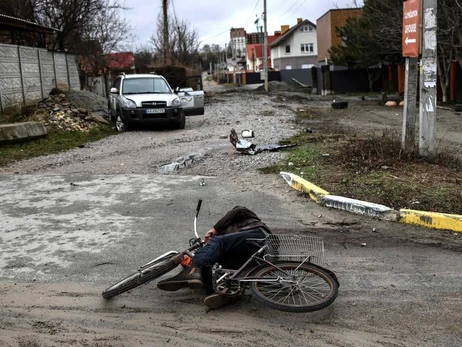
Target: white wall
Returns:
[[295, 40]]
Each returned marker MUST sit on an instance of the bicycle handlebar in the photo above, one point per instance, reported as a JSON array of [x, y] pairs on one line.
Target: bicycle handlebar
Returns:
[[198, 208]]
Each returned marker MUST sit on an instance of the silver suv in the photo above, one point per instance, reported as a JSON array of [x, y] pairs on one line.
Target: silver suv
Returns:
[[144, 98]]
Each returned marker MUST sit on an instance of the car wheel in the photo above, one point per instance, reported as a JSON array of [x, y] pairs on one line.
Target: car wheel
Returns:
[[458, 107], [182, 123], [120, 126]]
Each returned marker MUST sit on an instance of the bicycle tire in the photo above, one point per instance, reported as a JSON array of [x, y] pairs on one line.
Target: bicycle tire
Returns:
[[272, 294], [136, 279]]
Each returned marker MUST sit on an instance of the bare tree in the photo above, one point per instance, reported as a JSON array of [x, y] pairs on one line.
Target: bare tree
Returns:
[[71, 17], [107, 32], [183, 41]]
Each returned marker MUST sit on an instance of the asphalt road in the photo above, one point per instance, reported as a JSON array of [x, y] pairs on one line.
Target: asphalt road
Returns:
[[53, 225], [66, 237]]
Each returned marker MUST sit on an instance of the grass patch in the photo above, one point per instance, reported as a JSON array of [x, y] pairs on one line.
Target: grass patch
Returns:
[[56, 141], [374, 169]]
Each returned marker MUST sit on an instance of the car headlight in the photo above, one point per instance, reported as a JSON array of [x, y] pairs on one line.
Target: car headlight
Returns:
[[129, 103], [176, 102]]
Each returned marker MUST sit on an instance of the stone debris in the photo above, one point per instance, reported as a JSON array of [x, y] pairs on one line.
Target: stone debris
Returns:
[[57, 111]]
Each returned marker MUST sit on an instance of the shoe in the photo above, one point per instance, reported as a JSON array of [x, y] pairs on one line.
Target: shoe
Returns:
[[190, 277], [216, 301]]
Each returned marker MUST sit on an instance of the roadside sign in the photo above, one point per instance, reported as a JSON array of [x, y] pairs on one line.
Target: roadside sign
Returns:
[[411, 28]]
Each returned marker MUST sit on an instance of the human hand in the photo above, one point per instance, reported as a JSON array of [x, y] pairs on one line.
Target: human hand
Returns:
[[209, 234]]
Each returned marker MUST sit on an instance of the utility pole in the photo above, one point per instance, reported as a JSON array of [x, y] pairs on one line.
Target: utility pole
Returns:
[[265, 47], [412, 21], [410, 104], [166, 45], [428, 77]]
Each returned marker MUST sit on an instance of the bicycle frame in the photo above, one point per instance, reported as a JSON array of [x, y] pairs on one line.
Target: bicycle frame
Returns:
[[259, 260]]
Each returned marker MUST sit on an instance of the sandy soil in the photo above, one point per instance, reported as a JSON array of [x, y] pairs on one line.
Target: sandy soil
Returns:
[[393, 292]]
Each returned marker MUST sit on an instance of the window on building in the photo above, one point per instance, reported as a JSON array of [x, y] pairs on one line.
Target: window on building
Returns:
[[288, 67], [306, 28], [307, 66], [307, 48], [288, 49]]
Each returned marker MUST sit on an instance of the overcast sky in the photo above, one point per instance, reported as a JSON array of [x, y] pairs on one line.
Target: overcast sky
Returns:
[[213, 19]]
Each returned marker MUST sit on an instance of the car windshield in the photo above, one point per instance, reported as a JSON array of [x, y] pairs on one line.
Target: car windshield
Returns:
[[145, 86]]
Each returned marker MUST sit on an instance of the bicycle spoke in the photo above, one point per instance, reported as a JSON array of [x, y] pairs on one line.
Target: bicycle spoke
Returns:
[[310, 288]]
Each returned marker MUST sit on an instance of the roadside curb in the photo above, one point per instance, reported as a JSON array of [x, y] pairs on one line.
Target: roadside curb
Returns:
[[433, 220], [360, 207], [317, 194]]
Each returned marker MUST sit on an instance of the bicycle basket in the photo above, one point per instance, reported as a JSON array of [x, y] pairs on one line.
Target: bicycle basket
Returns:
[[300, 248]]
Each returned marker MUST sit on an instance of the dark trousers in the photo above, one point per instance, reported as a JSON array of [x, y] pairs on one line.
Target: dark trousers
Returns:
[[230, 250]]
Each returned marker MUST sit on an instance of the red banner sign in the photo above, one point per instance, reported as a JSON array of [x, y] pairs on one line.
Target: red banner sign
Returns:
[[411, 28]]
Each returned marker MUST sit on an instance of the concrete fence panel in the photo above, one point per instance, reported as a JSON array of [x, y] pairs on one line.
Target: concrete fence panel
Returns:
[[10, 76], [48, 71], [73, 72], [28, 74], [61, 70]]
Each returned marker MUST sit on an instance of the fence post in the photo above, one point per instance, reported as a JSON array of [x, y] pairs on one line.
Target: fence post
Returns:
[[40, 71], [54, 69], [68, 74], [21, 76]]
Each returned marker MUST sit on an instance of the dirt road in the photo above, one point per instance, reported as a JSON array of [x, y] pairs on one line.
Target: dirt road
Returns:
[[77, 222]]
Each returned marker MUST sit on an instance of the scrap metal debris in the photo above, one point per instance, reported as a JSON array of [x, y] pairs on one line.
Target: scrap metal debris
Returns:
[[247, 147], [180, 163]]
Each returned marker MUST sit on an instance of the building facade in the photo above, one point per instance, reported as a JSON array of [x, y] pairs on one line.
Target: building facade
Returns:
[[326, 35], [254, 53], [237, 43], [296, 48]]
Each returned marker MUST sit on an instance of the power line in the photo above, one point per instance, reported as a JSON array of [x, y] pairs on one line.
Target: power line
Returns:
[[258, 1], [275, 5], [291, 7], [217, 35], [293, 11]]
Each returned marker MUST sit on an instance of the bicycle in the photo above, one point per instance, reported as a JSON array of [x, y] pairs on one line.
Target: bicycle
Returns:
[[284, 274]]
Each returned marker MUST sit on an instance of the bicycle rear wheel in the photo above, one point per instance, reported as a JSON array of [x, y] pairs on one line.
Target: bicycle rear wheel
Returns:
[[152, 272], [294, 288]]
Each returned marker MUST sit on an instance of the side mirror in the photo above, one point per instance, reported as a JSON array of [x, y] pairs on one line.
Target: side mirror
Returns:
[[176, 90], [114, 90]]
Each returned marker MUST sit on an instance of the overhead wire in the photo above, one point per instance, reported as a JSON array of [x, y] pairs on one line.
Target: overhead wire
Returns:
[[209, 38], [295, 11], [282, 15]]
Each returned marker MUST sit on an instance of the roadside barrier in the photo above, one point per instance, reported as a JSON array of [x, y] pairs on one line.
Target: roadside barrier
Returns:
[[434, 220]]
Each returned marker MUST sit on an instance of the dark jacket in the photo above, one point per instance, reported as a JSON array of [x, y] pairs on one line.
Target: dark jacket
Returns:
[[240, 218]]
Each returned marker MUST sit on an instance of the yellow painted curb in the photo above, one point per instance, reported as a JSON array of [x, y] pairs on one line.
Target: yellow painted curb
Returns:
[[432, 219], [303, 185]]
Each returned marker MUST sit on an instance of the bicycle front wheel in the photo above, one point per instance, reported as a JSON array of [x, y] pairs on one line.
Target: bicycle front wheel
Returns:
[[294, 288], [152, 272]]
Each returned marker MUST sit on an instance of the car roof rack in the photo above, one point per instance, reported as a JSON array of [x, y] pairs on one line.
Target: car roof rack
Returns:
[[122, 73]]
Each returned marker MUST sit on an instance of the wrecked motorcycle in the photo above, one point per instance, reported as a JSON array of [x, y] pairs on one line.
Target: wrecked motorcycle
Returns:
[[284, 274]]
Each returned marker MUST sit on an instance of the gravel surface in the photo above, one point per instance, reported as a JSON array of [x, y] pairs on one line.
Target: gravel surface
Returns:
[[144, 151]]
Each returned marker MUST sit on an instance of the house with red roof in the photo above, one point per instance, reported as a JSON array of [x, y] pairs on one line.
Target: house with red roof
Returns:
[[254, 54]]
